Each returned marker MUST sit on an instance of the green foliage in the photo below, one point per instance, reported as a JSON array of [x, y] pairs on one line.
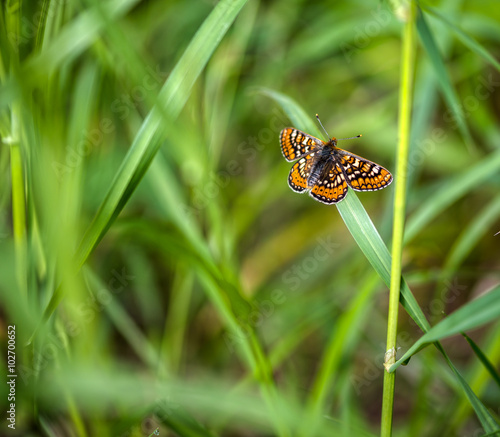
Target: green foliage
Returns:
[[160, 273]]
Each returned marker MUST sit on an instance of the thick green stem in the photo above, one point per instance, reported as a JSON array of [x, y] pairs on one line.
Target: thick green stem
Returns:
[[405, 104], [18, 215]]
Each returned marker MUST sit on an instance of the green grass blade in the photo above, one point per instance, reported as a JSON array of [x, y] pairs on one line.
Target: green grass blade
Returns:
[[231, 306], [172, 99], [370, 242], [405, 107], [482, 413], [71, 41], [484, 359], [479, 381], [147, 141], [470, 316], [167, 188], [76, 37], [480, 225], [443, 77], [294, 112], [343, 336], [124, 324], [19, 215], [51, 19], [450, 191], [467, 40]]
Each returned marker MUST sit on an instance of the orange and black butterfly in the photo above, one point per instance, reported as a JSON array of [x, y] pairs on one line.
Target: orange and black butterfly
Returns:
[[325, 170]]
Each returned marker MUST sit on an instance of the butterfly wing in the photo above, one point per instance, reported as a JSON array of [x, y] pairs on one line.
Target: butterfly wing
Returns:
[[361, 174], [297, 179], [332, 186], [295, 143]]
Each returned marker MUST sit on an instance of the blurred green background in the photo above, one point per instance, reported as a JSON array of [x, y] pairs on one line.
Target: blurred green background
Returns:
[[157, 268]]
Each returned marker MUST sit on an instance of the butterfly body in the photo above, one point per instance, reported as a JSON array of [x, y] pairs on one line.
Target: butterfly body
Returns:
[[320, 162], [325, 171]]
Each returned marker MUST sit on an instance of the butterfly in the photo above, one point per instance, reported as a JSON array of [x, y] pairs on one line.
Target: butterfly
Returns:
[[325, 170]]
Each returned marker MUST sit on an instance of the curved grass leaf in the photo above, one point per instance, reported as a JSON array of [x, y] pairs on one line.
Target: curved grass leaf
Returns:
[[172, 98], [437, 62], [370, 242], [477, 376], [294, 112], [71, 41], [341, 339], [487, 421], [147, 141], [124, 324], [76, 37], [450, 191], [466, 39], [470, 316], [484, 359], [480, 225], [167, 188]]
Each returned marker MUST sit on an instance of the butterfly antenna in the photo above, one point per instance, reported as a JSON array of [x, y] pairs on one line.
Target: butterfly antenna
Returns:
[[350, 138], [321, 124], [328, 136]]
